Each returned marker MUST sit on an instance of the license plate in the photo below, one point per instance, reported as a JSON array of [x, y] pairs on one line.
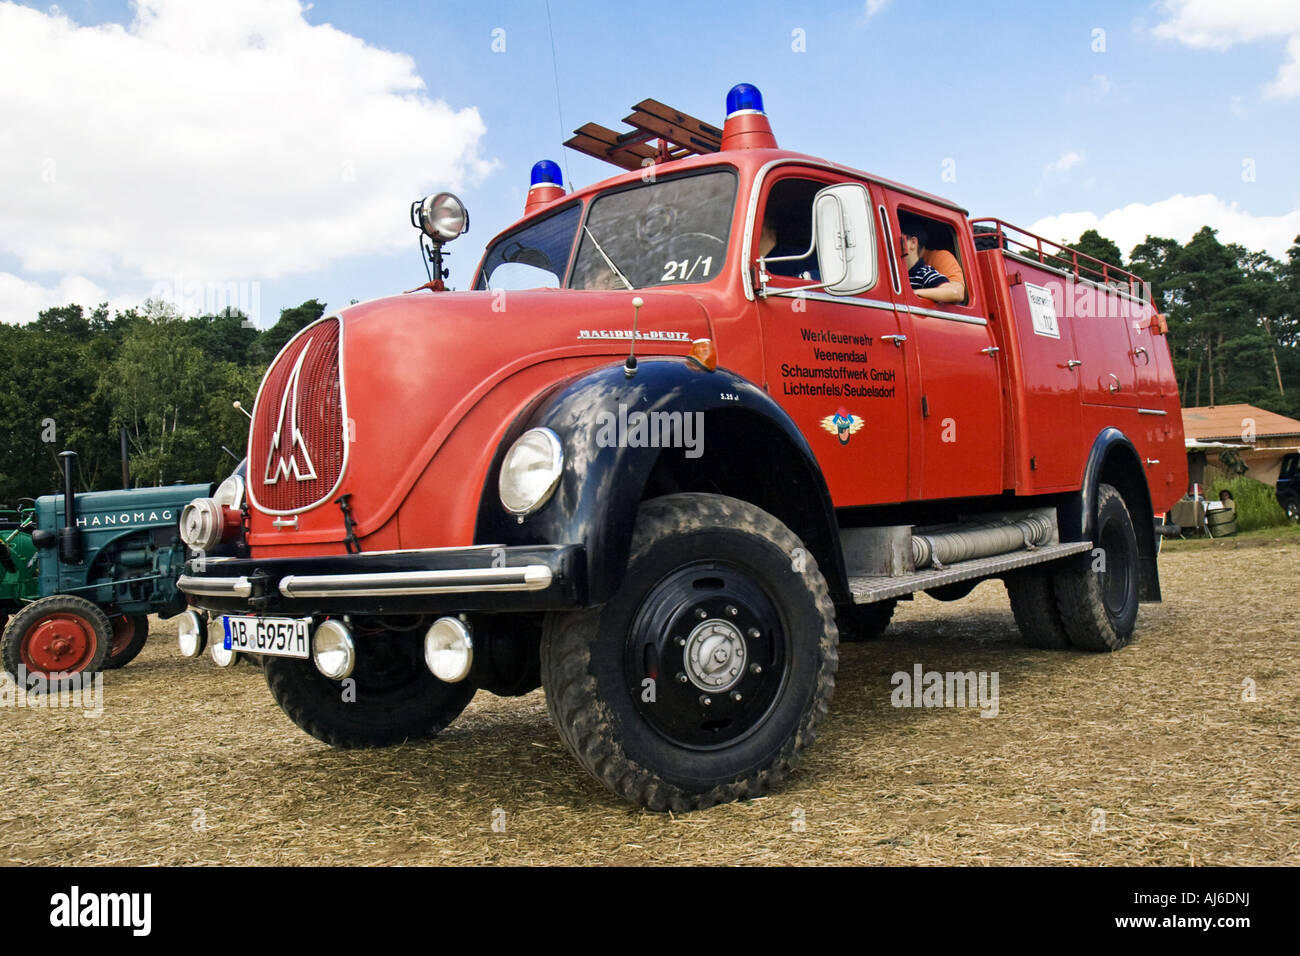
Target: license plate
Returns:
[[275, 636]]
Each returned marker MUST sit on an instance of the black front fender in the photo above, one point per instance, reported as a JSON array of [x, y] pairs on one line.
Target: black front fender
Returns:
[[723, 433]]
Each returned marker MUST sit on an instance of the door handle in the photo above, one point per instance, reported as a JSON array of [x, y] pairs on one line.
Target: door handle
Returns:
[[1143, 352], [1113, 386], [991, 350], [1073, 363], [898, 340]]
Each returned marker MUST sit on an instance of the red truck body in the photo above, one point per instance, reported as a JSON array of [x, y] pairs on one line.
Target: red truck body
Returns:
[[380, 433]]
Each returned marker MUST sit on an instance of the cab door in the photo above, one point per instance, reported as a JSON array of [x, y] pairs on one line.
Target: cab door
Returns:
[[831, 361], [956, 369]]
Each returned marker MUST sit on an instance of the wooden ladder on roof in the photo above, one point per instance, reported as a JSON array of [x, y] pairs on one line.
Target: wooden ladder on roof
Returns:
[[678, 134]]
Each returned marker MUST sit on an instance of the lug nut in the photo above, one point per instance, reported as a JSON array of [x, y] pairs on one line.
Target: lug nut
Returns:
[[701, 613], [754, 634], [681, 677], [706, 700], [755, 669], [735, 695], [732, 610], [681, 642]]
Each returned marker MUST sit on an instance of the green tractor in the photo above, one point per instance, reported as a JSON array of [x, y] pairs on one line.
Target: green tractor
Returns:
[[83, 572]]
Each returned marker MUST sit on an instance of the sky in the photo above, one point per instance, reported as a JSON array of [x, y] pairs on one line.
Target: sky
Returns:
[[259, 153]]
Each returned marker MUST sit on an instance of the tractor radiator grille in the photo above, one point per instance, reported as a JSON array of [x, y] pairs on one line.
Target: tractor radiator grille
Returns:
[[297, 446]]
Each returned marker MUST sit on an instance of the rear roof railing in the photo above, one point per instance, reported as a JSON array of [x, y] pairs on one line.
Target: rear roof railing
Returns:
[[997, 234]]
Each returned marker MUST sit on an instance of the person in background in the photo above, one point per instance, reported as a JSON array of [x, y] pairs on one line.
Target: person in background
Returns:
[[1227, 501]]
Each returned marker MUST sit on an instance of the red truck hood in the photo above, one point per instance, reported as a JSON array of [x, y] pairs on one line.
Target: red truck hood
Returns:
[[412, 367]]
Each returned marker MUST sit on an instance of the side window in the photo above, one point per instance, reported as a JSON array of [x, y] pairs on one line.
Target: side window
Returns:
[[786, 228], [939, 249]]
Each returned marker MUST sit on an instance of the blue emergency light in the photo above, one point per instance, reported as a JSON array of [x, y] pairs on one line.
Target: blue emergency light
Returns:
[[546, 173], [744, 97]]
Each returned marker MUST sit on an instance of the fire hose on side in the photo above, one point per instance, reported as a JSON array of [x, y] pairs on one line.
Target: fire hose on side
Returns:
[[982, 540]]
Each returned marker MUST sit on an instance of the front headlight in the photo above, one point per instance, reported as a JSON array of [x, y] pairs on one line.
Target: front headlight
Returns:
[[530, 471]]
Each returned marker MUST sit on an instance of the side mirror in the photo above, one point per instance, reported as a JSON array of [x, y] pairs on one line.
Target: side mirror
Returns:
[[844, 238]]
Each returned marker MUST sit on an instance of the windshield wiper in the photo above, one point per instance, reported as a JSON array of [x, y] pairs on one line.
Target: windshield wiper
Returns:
[[608, 261]]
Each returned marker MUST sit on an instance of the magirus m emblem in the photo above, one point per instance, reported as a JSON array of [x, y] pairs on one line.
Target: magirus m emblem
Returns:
[[304, 471]]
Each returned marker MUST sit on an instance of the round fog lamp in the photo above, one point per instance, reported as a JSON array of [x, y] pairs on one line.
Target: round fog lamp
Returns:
[[448, 650], [192, 634], [333, 650], [222, 657]]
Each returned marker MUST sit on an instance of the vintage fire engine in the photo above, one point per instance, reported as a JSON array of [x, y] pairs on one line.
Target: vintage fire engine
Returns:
[[686, 425]]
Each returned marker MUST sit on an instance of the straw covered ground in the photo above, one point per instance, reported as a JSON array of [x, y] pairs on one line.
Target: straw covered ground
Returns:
[[1148, 756]]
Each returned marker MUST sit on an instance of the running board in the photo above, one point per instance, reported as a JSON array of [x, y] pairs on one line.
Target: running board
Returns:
[[869, 588]]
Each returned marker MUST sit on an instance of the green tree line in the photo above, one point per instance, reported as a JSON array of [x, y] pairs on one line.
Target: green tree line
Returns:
[[1234, 316], [71, 379]]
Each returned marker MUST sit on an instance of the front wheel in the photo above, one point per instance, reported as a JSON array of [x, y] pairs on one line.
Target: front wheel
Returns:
[[57, 635], [706, 675], [390, 697]]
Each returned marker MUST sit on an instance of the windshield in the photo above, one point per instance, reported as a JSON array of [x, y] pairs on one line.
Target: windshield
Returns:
[[665, 233], [535, 257], [669, 232]]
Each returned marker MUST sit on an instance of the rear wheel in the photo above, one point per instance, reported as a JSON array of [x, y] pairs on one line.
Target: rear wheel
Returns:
[[707, 674], [1292, 508], [1033, 602], [1099, 601], [60, 634], [130, 631], [390, 697]]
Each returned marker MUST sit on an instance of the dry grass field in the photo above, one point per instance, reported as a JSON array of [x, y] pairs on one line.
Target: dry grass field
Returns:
[[1148, 756]]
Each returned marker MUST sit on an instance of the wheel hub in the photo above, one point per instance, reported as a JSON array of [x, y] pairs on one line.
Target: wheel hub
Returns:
[[715, 655], [59, 643], [712, 645]]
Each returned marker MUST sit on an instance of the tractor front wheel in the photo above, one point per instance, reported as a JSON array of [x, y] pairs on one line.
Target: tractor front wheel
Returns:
[[59, 635]]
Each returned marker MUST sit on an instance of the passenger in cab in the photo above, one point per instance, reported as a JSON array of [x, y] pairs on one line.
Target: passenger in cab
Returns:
[[933, 274]]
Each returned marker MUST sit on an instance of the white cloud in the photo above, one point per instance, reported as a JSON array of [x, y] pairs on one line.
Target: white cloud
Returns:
[[1178, 217], [1215, 25], [1063, 163], [1287, 82], [872, 7], [225, 142], [21, 300]]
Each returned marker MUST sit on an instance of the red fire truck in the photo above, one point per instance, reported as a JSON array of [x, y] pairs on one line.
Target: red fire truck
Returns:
[[688, 426]]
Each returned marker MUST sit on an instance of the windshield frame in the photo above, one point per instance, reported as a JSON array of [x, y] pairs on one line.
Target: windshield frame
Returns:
[[588, 197]]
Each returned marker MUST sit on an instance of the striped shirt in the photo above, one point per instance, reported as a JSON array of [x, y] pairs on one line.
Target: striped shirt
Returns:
[[922, 276]]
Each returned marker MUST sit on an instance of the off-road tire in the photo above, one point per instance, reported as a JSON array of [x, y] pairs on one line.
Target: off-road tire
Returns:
[[85, 621], [866, 622], [1099, 608], [129, 635], [1033, 602], [586, 676], [399, 701]]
